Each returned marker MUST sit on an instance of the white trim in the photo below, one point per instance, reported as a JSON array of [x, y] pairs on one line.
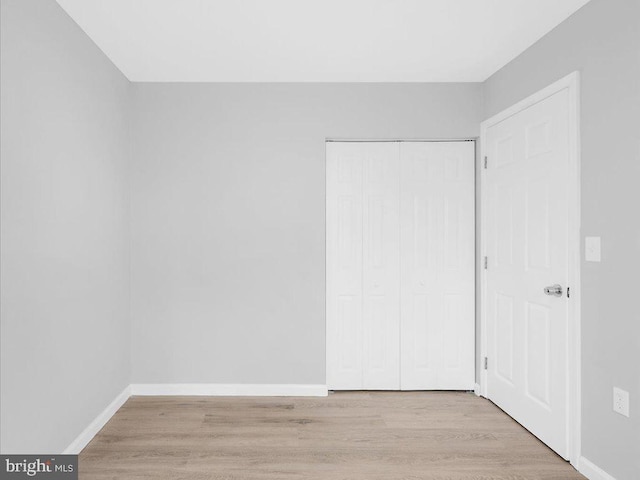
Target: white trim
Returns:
[[96, 425], [221, 389], [572, 83], [476, 390], [574, 386], [398, 140], [187, 389], [592, 471]]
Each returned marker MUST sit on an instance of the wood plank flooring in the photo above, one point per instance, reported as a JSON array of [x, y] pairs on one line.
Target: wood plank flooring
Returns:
[[347, 435]]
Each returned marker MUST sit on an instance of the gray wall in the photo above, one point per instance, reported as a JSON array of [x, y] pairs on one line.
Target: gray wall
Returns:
[[602, 41], [65, 347], [228, 209]]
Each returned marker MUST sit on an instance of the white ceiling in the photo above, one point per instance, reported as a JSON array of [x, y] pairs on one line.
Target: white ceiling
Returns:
[[315, 40]]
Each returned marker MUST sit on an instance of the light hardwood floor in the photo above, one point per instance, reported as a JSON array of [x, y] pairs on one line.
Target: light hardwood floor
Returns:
[[348, 435]]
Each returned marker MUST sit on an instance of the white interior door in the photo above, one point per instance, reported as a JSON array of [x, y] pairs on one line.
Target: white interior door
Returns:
[[363, 314], [527, 238], [438, 265], [379, 224]]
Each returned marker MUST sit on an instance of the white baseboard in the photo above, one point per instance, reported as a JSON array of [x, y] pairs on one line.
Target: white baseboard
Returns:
[[221, 389], [592, 471], [94, 427], [209, 389], [476, 389]]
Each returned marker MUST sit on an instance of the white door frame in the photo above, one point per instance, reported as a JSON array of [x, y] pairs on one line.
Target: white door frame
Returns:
[[571, 83]]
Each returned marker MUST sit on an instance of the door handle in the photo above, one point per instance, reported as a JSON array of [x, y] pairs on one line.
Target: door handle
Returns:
[[553, 290]]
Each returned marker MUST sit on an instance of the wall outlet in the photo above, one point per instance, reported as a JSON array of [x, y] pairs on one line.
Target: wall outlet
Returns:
[[592, 249], [621, 401]]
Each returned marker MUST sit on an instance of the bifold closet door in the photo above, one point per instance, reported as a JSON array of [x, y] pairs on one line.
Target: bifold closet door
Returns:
[[363, 266], [400, 266], [437, 284]]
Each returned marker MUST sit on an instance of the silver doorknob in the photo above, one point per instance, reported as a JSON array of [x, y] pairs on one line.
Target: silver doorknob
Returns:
[[553, 290]]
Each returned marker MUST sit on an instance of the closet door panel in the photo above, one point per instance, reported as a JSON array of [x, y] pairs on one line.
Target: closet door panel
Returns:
[[381, 268], [421, 244], [457, 370], [437, 265], [344, 265]]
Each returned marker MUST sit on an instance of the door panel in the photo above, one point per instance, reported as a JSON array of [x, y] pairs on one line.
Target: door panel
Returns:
[[381, 257], [527, 246], [363, 279], [437, 265], [344, 265]]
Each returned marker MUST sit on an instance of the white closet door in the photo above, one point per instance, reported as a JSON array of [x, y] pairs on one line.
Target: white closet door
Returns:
[[437, 268], [344, 266], [381, 267], [400, 258], [363, 324]]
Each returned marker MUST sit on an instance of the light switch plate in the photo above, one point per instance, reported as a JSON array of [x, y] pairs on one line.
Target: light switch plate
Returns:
[[592, 249], [621, 401]]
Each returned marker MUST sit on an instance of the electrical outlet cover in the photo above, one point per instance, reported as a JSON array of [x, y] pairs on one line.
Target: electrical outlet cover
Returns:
[[621, 401]]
